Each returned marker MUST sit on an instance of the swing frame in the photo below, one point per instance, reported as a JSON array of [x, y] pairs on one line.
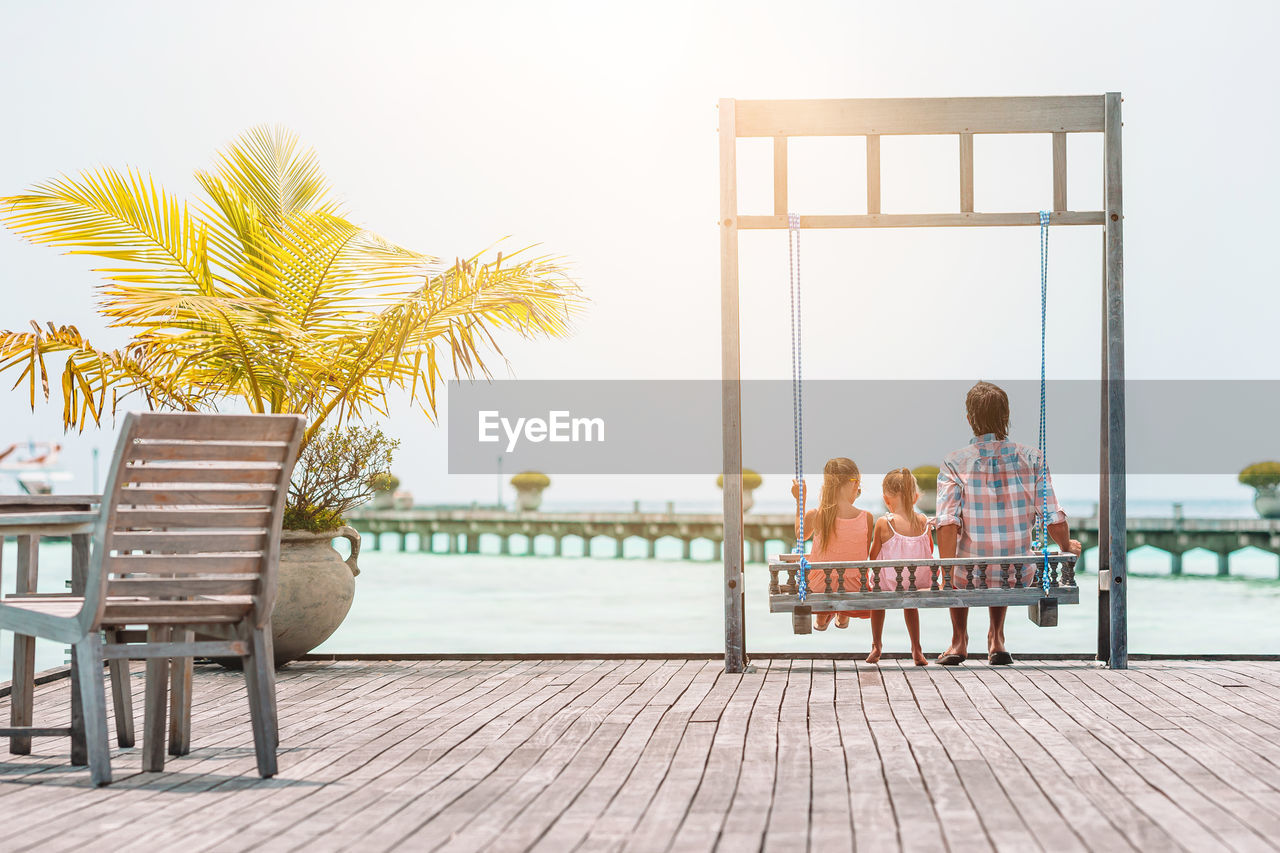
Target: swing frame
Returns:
[[961, 117]]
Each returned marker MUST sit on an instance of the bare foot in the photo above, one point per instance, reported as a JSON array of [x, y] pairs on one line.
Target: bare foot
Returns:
[[819, 624], [874, 657], [842, 621], [918, 656]]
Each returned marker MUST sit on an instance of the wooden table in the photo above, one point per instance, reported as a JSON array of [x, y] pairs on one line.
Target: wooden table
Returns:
[[29, 518]]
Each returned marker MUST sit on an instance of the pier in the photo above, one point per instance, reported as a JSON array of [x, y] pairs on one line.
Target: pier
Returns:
[[673, 753], [461, 531]]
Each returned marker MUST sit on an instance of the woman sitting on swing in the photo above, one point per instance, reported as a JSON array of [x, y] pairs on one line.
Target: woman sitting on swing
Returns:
[[839, 529]]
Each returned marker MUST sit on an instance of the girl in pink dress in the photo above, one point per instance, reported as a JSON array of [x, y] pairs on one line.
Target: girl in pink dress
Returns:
[[901, 532], [840, 531]]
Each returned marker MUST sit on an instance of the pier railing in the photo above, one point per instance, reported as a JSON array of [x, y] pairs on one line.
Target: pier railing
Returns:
[[459, 531]]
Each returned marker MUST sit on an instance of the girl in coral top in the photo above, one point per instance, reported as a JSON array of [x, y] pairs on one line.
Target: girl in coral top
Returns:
[[839, 529]]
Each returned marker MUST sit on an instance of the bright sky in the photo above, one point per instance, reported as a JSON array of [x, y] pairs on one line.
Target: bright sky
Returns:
[[590, 128]]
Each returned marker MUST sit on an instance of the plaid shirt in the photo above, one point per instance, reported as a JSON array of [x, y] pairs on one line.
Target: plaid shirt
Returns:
[[989, 490]]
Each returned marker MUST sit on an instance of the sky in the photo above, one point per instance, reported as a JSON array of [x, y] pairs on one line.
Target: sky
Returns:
[[590, 129]]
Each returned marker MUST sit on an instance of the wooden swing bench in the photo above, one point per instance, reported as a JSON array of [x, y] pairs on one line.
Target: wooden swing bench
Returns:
[[953, 582]]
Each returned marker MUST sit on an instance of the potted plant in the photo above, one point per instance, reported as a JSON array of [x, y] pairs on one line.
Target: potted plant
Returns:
[[927, 481], [340, 468], [1264, 477], [265, 297], [383, 486], [750, 482], [529, 486]]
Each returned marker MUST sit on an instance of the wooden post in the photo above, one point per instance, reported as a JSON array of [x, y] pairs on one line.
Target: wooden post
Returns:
[[1116, 513], [1104, 453], [1059, 171], [966, 173], [779, 176], [735, 644], [873, 174]]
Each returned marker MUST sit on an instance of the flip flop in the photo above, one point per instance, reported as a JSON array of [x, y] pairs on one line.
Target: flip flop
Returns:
[[1000, 659], [952, 660]]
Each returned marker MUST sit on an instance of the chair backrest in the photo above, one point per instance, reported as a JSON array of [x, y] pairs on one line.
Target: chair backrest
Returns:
[[192, 507]]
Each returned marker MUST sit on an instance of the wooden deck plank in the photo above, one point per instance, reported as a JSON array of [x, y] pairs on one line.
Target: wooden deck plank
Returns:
[[870, 805], [575, 822], [830, 817], [744, 825], [676, 755], [1079, 724], [710, 807], [920, 825]]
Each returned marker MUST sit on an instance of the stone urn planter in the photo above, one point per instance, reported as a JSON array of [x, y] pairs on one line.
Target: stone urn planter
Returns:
[[1267, 502], [928, 503], [529, 486], [750, 482], [314, 591], [1264, 479], [927, 482]]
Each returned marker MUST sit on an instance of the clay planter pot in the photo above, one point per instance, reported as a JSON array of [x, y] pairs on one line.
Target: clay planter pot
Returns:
[[315, 590]]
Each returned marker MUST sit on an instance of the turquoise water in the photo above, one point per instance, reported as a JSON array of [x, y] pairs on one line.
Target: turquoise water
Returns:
[[435, 603]]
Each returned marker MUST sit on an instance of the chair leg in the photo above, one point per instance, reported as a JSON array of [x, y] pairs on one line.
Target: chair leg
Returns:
[[121, 695], [271, 677], [153, 720], [93, 697], [180, 698], [22, 695], [258, 675]]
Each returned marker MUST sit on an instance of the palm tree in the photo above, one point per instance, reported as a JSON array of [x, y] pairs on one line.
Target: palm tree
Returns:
[[265, 292]]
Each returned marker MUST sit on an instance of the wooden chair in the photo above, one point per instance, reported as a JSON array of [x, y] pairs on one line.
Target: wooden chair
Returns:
[[187, 540]]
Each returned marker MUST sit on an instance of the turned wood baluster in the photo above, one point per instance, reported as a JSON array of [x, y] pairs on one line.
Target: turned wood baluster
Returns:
[[934, 574], [947, 581], [911, 578], [862, 578], [897, 583], [1018, 571], [840, 580], [829, 577], [791, 582], [968, 575], [1069, 573], [876, 574], [773, 581]]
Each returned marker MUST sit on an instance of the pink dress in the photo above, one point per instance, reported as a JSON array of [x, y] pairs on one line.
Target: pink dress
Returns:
[[902, 547]]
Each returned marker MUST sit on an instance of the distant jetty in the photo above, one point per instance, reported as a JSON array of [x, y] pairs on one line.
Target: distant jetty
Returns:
[[459, 530]]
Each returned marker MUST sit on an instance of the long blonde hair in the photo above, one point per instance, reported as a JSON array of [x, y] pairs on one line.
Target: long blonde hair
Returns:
[[902, 485], [835, 474]]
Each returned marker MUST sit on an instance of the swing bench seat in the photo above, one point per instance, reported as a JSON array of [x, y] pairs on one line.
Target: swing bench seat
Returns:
[[954, 582]]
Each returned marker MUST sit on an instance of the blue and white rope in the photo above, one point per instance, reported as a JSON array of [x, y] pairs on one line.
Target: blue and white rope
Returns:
[[797, 397], [1042, 533]]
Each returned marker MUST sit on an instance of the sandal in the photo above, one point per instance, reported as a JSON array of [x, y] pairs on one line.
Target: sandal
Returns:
[[999, 659], [952, 660]]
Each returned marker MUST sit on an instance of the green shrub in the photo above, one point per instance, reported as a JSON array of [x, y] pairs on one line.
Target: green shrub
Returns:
[[926, 477], [336, 472], [384, 482], [750, 480], [531, 480], [1261, 475]]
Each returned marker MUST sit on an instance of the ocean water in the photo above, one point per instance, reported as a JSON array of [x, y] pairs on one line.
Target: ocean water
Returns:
[[436, 603]]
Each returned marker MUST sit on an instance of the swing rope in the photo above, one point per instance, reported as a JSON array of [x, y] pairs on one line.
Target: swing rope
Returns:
[[797, 398], [1042, 531]]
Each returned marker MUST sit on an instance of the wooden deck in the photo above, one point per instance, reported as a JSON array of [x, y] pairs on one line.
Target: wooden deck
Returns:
[[675, 755]]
